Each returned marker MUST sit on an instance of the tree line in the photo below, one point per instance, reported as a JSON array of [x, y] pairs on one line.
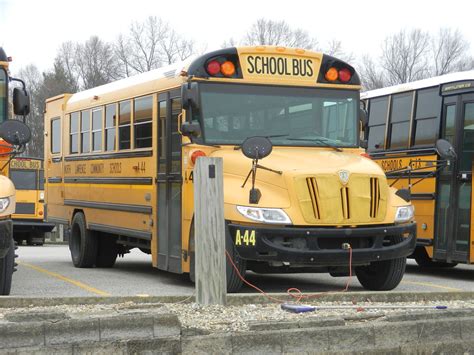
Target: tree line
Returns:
[[404, 56]]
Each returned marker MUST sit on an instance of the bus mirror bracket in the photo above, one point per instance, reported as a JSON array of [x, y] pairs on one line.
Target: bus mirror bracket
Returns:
[[191, 129], [190, 95], [363, 118]]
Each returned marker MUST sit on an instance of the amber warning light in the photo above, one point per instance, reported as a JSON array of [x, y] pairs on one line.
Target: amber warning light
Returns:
[[344, 75]]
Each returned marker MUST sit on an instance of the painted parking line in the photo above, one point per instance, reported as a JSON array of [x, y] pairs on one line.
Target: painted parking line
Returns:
[[66, 279], [429, 284]]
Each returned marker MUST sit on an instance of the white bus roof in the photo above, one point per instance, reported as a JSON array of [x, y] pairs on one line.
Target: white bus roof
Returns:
[[425, 83], [169, 71]]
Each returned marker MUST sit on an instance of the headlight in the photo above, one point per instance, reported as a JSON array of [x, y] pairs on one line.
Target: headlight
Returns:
[[404, 214], [266, 215], [4, 203]]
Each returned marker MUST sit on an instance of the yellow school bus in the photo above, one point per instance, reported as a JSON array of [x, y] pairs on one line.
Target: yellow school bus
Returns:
[[27, 175], [119, 164], [405, 122], [13, 137]]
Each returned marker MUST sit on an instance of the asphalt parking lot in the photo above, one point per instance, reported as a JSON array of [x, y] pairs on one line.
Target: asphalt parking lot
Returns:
[[47, 271]]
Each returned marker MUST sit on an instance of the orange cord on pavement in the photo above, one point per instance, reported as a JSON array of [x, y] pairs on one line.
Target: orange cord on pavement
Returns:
[[293, 291]]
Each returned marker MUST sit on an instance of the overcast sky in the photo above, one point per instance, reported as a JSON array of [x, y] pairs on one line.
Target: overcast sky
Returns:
[[32, 30]]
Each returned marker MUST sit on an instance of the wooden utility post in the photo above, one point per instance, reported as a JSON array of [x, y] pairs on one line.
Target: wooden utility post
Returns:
[[209, 232]]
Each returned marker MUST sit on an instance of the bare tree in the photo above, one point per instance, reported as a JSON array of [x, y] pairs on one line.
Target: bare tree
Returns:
[[404, 56], [449, 49], [34, 82], [96, 63], [335, 49], [371, 76], [150, 44], [268, 32]]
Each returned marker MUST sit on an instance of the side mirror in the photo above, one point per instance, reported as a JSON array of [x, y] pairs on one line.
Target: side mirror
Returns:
[[445, 150], [15, 132], [190, 95], [21, 102], [191, 129]]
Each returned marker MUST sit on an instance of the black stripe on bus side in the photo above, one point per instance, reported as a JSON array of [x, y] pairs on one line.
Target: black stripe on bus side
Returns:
[[110, 206], [55, 180], [57, 220], [402, 154], [423, 196], [139, 154], [109, 180], [57, 160], [414, 175], [120, 231]]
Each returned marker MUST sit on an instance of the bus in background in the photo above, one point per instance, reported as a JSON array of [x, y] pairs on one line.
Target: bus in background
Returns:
[[119, 162], [405, 122], [27, 175], [14, 135]]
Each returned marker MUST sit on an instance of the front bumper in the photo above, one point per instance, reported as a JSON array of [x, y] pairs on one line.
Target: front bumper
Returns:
[[322, 246], [27, 225], [5, 236]]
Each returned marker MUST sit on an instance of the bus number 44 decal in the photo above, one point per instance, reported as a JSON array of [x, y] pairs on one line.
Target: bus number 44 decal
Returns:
[[245, 239]]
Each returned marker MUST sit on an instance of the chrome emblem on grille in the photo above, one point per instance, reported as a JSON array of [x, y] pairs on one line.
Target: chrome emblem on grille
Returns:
[[344, 176]]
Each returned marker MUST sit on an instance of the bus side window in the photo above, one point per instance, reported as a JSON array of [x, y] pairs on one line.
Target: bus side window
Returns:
[[426, 123], [400, 116], [55, 135], [97, 129], [142, 122], [110, 123], [124, 124], [74, 133], [85, 131], [377, 122]]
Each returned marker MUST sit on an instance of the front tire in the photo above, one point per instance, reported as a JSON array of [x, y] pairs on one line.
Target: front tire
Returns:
[[234, 282], [107, 251], [7, 266], [424, 261], [382, 275], [83, 243]]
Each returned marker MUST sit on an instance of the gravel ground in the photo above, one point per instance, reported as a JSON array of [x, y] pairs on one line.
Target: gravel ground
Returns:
[[238, 318]]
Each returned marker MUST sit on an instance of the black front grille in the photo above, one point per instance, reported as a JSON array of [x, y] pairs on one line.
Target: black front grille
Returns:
[[25, 208]]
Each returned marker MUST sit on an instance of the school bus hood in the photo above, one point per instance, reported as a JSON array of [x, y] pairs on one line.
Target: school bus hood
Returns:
[[316, 186], [296, 162]]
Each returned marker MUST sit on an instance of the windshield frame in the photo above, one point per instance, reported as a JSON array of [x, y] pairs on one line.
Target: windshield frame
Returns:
[[354, 93], [4, 112]]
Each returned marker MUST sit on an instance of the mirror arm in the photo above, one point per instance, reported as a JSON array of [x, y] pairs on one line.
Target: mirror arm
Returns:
[[20, 81]]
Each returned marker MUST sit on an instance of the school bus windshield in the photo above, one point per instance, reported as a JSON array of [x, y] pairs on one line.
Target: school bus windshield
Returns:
[[288, 116], [3, 95]]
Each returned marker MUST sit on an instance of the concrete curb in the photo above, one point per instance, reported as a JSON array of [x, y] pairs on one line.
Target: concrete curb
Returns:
[[156, 333], [241, 299]]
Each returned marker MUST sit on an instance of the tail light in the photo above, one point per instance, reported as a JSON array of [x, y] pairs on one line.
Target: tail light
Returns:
[[332, 74], [344, 75], [213, 67]]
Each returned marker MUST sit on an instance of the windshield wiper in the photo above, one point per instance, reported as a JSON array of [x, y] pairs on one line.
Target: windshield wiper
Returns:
[[320, 140]]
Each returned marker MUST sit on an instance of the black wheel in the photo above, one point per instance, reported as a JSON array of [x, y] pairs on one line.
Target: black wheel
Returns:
[[107, 250], [234, 282], [382, 275], [7, 266], [423, 260], [83, 243]]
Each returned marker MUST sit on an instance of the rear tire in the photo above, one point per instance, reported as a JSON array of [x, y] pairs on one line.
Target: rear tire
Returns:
[[234, 282], [424, 261], [7, 266], [83, 243], [107, 251], [382, 275]]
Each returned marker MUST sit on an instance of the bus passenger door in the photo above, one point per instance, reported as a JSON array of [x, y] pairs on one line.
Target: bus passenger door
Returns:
[[169, 181], [454, 193]]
